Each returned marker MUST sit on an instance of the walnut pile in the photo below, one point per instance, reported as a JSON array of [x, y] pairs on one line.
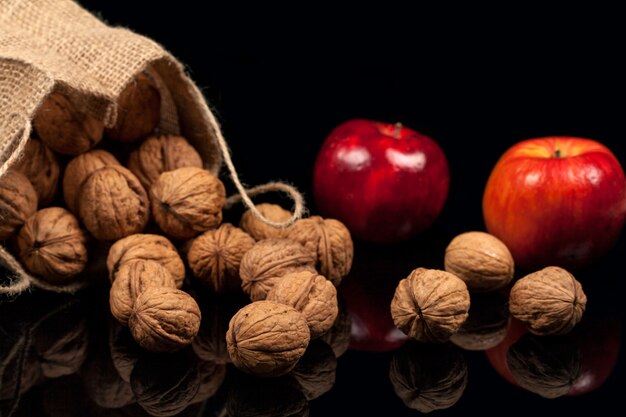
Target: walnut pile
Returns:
[[481, 260], [18, 202], [329, 241], [41, 166], [550, 301], [187, 202], [79, 169], [268, 261], [312, 295], [430, 305], [266, 338], [52, 245], [259, 230], [159, 154], [215, 257]]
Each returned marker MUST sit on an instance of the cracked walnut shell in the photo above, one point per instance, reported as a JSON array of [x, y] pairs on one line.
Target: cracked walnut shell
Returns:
[[481, 260], [430, 305], [259, 230], [18, 201], [79, 169], [187, 201], [144, 246], [40, 165], [266, 338], [215, 256], [268, 261], [164, 319], [132, 279], [52, 245], [329, 242], [550, 301], [312, 295], [159, 154], [112, 203]]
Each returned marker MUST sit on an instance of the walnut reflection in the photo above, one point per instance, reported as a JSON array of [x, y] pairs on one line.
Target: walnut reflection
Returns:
[[547, 366], [486, 325], [316, 371], [428, 377]]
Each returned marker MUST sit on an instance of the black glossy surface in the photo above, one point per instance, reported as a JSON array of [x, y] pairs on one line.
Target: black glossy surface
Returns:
[[475, 85]]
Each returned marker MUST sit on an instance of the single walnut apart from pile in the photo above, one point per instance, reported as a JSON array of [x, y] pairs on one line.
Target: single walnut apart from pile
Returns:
[[266, 338], [131, 280], [187, 201], [268, 261], [430, 305], [18, 201], [146, 247], [164, 319], [481, 260], [113, 204], [259, 230], [215, 256], [52, 245], [159, 154], [79, 169], [138, 110], [312, 295], [64, 128], [329, 241], [550, 301], [41, 167]]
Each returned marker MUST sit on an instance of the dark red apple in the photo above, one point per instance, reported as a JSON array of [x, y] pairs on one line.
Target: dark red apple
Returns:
[[385, 182], [556, 201]]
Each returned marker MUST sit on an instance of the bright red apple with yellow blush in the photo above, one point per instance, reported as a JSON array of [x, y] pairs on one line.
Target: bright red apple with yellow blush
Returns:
[[556, 201]]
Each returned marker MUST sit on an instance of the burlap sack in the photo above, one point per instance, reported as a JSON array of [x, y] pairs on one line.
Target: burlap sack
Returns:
[[48, 45]]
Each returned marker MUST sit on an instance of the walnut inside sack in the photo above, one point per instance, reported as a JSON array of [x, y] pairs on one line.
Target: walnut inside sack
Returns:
[[266, 338], [430, 305], [259, 230], [112, 203], [159, 154], [215, 256], [329, 241], [41, 166], [268, 261], [18, 202], [52, 245], [550, 301], [187, 201]]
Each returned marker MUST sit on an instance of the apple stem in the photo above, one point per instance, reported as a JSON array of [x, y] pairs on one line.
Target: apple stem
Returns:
[[396, 133], [557, 153]]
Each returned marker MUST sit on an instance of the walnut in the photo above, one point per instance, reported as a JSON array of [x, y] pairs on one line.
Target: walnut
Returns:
[[40, 165], [486, 325], [64, 128], [187, 201], [259, 230], [549, 301], [338, 337], [52, 245], [316, 371], [159, 154], [215, 256], [481, 260], [112, 203], [211, 376], [430, 305], [138, 110], [266, 338], [131, 279], [165, 385], [545, 366], [268, 261], [164, 319], [428, 377], [312, 295], [329, 242], [79, 169], [18, 201], [146, 247]]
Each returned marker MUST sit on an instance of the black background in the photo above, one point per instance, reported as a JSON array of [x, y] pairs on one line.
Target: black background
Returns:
[[475, 80]]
